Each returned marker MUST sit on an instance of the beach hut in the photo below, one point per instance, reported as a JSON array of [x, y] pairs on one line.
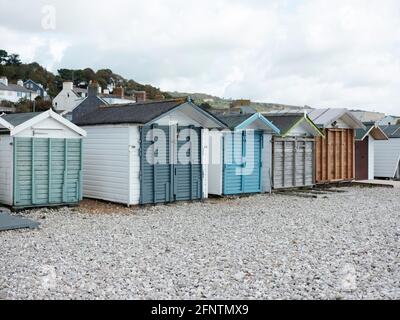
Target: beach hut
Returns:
[[293, 151], [335, 152], [387, 154], [40, 160], [145, 153], [240, 158], [365, 150]]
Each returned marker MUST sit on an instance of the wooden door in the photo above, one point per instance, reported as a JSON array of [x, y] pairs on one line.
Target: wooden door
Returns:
[[362, 159]]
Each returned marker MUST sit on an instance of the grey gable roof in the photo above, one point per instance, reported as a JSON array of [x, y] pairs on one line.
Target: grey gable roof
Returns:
[[102, 113], [232, 121], [392, 131], [324, 117], [18, 118], [13, 87], [284, 122]]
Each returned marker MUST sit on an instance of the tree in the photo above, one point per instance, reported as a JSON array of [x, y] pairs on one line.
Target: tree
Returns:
[[3, 57], [13, 60]]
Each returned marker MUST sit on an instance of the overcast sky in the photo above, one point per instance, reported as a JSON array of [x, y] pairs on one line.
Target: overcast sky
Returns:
[[315, 52]]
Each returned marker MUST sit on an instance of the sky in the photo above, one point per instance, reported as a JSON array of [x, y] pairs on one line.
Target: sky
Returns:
[[321, 53]]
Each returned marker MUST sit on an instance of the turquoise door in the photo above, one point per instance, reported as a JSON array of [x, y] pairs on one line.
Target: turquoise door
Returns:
[[171, 167], [188, 167], [47, 171], [156, 170], [242, 162]]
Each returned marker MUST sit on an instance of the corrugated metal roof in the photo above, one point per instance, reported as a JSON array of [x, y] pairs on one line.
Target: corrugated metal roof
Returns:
[[392, 131], [325, 117]]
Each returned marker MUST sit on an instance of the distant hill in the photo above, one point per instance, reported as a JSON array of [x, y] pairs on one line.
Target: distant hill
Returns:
[[221, 103], [12, 67]]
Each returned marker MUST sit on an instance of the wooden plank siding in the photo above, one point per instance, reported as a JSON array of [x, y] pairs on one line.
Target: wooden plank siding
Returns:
[[293, 162], [335, 156]]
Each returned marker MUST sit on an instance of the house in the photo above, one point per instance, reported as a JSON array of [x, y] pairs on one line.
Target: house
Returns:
[[335, 152], [293, 151], [40, 160], [145, 153], [14, 92], [387, 154], [365, 150], [240, 157], [80, 92], [35, 87], [67, 99]]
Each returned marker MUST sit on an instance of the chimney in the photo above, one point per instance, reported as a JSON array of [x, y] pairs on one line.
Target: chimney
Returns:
[[140, 96], [20, 83], [68, 85], [119, 92], [4, 81], [93, 89]]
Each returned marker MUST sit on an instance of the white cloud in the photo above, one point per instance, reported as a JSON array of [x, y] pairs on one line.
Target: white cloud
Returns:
[[322, 53]]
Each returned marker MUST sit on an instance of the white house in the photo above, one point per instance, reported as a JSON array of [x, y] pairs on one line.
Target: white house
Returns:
[[387, 154], [15, 92], [67, 99]]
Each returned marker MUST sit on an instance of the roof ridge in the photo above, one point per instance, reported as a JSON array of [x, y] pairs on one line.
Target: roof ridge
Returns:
[[145, 102]]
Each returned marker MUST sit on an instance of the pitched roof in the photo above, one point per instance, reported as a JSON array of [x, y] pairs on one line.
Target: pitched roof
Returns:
[[18, 118], [242, 121], [13, 87], [371, 129], [285, 122], [392, 131], [16, 123], [233, 120], [325, 117], [139, 113]]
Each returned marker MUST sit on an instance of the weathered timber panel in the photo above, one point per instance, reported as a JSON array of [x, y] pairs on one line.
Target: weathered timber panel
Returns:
[[335, 156]]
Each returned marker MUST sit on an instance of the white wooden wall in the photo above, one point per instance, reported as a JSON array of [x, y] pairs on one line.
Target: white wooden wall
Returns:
[[48, 128], [215, 167], [106, 155], [134, 165], [267, 164], [387, 155], [371, 158], [205, 158], [6, 170]]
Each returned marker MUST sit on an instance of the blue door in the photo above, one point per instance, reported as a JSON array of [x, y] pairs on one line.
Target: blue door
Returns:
[[156, 168], [242, 162], [171, 164], [188, 168]]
